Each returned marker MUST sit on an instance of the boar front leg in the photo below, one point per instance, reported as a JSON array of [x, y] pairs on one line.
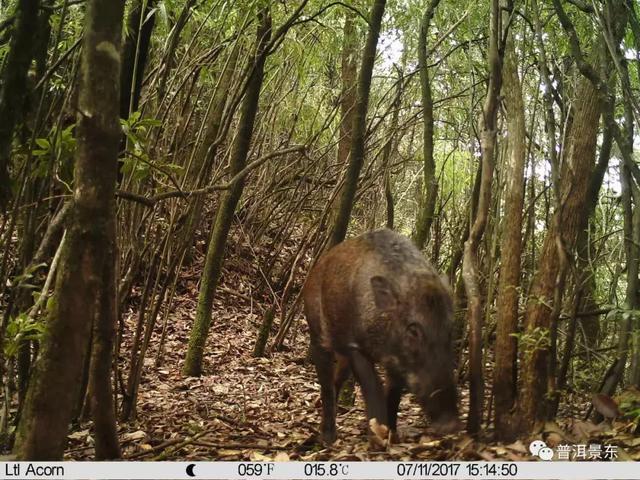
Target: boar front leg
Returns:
[[323, 361], [372, 389], [394, 391]]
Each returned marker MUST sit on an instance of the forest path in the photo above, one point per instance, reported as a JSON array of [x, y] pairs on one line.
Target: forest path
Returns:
[[245, 408]]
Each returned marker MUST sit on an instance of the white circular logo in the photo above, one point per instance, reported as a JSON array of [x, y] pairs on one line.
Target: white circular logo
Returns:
[[545, 453], [535, 447]]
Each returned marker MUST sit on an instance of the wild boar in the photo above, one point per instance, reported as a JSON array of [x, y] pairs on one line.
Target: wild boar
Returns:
[[374, 299]]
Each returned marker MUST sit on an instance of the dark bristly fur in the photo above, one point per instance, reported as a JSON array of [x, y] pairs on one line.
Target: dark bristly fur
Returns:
[[375, 299]]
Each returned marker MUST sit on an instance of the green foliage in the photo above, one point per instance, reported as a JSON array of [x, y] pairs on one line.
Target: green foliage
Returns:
[[58, 148], [537, 339], [136, 162], [629, 404], [22, 280], [20, 329]]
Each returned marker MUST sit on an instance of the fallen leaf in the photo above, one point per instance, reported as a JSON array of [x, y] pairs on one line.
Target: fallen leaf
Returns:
[[133, 436], [281, 457], [259, 457]]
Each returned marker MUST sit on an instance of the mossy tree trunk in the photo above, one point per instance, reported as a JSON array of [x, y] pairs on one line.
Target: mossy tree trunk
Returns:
[[84, 289], [356, 154], [430, 185], [100, 386], [227, 207], [14, 87], [263, 333]]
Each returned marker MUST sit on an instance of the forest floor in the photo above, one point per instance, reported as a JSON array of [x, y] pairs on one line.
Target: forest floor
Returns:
[[245, 408]]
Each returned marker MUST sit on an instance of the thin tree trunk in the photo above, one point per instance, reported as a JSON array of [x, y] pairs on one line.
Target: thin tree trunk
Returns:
[[226, 210], [631, 216], [550, 121], [14, 87], [632, 253], [430, 185], [470, 266], [85, 256], [354, 106], [135, 54], [387, 153], [205, 155], [168, 62], [357, 151], [504, 382]]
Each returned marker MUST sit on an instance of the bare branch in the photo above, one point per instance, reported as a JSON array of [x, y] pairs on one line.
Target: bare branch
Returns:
[[151, 201], [585, 67]]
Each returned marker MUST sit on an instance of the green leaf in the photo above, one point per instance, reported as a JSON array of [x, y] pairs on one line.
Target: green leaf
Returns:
[[43, 143]]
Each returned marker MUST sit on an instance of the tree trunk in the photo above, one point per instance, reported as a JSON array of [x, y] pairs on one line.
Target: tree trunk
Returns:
[[430, 185], [230, 199], [387, 152], [348, 99], [569, 219], [504, 382], [101, 397], [585, 281], [135, 54], [349, 88], [168, 62], [356, 158], [470, 267], [630, 193], [90, 237], [14, 87]]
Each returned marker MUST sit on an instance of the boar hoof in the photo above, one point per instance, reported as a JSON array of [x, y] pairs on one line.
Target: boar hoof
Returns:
[[376, 444], [381, 434]]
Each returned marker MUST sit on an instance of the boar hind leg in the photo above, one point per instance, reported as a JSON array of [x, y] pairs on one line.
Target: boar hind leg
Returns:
[[372, 389], [323, 361]]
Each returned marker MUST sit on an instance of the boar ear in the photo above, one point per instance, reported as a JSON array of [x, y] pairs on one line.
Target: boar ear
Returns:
[[383, 293]]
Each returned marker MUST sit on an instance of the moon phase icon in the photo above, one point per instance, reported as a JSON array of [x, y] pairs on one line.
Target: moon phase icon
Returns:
[[190, 468]]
